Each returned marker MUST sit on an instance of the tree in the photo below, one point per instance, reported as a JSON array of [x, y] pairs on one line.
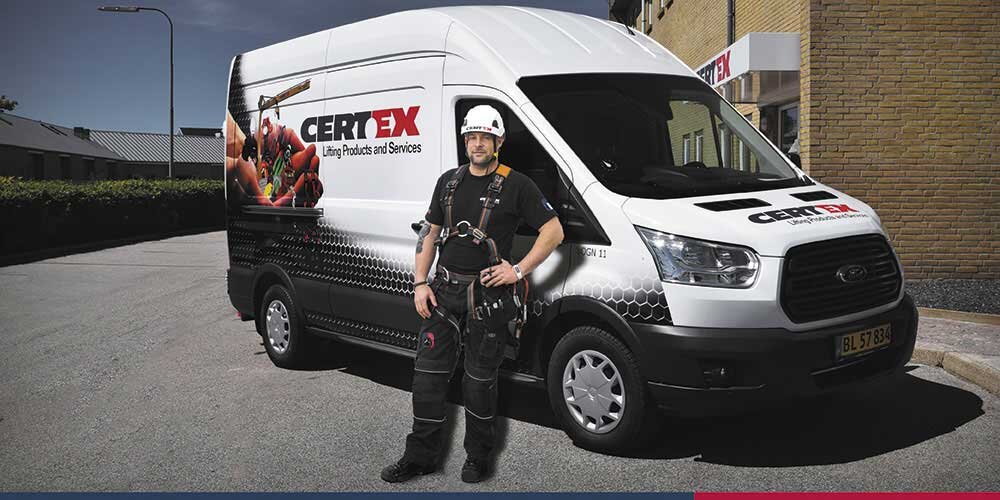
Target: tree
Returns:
[[7, 104]]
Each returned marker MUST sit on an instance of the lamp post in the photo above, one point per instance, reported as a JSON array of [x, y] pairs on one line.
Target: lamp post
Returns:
[[170, 164]]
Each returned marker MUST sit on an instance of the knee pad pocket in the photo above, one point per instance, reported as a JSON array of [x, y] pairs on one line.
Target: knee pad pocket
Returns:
[[429, 393], [480, 396]]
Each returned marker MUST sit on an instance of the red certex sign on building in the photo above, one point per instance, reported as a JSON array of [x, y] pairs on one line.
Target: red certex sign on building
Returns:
[[716, 70]]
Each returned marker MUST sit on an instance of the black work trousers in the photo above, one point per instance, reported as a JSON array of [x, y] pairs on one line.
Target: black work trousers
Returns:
[[438, 351]]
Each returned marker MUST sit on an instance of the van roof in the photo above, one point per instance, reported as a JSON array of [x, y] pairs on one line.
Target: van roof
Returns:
[[504, 42]]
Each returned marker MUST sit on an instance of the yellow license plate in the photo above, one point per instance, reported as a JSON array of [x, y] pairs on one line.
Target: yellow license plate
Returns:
[[855, 343]]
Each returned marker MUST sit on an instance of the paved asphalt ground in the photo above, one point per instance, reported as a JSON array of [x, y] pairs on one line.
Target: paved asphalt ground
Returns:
[[126, 369]]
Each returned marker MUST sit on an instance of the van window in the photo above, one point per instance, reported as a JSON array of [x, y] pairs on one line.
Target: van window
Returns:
[[522, 152], [657, 136]]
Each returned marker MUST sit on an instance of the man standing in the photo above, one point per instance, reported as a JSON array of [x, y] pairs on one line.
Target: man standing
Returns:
[[478, 205]]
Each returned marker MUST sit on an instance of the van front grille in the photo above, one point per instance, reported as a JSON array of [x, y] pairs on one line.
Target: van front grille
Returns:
[[835, 277]]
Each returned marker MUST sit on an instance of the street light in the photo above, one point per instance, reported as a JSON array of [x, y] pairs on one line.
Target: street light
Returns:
[[170, 165]]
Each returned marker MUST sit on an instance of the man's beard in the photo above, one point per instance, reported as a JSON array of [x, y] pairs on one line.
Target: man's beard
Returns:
[[485, 163]]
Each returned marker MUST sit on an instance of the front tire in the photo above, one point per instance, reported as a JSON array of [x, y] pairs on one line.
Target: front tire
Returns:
[[282, 330], [597, 392]]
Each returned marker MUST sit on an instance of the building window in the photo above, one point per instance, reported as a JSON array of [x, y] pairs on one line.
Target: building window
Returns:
[[89, 170], [64, 171], [649, 15], [699, 144], [788, 126], [687, 148], [745, 150], [724, 146], [36, 167], [642, 17]]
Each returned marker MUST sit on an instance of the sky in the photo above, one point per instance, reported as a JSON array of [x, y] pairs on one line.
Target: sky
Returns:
[[69, 64]]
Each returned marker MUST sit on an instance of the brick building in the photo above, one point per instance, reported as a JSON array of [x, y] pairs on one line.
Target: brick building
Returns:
[[895, 102]]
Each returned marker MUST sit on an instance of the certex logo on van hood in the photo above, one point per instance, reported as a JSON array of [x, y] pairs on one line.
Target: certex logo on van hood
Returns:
[[806, 214], [391, 122]]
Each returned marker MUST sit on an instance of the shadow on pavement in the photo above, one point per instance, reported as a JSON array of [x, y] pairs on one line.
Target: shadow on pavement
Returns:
[[884, 416], [516, 401], [888, 415]]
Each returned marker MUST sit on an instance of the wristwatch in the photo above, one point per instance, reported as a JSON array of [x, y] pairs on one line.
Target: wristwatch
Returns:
[[517, 271]]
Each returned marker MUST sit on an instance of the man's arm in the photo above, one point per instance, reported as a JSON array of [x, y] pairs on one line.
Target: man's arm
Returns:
[[550, 235], [426, 250]]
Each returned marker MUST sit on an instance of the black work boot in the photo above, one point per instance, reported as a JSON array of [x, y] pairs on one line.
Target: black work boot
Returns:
[[475, 470], [404, 470]]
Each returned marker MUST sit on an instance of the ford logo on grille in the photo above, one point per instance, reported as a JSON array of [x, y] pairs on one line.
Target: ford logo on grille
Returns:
[[852, 273]]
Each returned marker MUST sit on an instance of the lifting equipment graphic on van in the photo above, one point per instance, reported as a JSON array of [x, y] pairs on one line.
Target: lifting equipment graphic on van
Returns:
[[285, 172]]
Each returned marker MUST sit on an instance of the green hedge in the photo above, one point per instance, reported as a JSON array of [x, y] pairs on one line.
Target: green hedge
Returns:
[[43, 214]]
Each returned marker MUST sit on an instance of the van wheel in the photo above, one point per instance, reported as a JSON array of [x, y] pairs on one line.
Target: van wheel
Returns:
[[597, 392], [281, 328]]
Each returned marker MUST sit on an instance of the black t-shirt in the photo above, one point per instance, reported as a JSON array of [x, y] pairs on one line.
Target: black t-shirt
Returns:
[[519, 198]]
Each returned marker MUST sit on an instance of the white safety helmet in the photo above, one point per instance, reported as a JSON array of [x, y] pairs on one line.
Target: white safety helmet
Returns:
[[483, 118]]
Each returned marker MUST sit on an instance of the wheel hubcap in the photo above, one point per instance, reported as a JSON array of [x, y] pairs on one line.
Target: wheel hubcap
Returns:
[[594, 391], [277, 326]]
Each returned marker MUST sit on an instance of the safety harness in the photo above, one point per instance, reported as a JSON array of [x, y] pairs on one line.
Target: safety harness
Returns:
[[480, 238], [465, 228]]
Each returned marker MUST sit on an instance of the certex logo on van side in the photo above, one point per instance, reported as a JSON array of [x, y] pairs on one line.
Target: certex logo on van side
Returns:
[[391, 122], [806, 214]]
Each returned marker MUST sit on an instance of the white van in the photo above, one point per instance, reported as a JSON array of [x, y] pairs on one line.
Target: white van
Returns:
[[701, 272]]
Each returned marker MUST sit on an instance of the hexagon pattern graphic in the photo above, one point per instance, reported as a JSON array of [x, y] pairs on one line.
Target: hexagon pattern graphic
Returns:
[[325, 253], [636, 299]]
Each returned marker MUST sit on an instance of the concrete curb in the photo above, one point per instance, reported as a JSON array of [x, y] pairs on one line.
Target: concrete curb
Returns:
[[971, 367], [986, 319]]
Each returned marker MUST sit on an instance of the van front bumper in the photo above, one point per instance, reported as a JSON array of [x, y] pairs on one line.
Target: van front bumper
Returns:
[[705, 371]]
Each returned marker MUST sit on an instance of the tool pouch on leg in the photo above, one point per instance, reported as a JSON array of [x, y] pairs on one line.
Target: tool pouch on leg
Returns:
[[501, 308], [495, 306]]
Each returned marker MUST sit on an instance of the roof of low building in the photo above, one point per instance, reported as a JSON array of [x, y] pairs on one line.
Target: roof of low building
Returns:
[[42, 136], [135, 147], [145, 147]]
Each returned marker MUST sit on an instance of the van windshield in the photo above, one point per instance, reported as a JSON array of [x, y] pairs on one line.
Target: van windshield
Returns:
[[658, 136]]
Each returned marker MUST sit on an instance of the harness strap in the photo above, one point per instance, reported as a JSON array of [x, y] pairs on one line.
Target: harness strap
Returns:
[[470, 295], [492, 198], [493, 194], [449, 196], [454, 278]]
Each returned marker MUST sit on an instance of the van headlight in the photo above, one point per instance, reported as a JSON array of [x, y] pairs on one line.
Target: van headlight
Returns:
[[696, 262]]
